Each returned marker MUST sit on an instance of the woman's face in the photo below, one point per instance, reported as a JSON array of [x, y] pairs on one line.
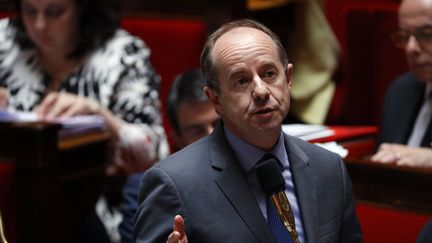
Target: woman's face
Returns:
[[52, 25]]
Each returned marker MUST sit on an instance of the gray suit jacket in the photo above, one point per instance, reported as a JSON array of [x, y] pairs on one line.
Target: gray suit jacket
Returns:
[[206, 185]]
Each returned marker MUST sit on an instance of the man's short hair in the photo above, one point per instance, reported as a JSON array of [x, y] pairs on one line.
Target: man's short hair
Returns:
[[207, 65], [186, 88]]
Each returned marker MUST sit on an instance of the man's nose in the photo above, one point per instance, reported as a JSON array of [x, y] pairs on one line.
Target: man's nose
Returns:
[[260, 91], [412, 45]]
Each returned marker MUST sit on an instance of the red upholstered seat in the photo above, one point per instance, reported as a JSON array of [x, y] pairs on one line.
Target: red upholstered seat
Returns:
[[175, 45], [387, 225]]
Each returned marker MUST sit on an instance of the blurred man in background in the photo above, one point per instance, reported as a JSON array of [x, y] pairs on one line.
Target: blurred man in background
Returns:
[[406, 129]]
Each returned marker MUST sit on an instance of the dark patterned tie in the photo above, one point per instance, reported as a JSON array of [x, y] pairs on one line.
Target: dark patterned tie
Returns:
[[279, 230], [272, 182]]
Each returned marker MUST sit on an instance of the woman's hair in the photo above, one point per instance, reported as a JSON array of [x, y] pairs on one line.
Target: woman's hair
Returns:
[[98, 21]]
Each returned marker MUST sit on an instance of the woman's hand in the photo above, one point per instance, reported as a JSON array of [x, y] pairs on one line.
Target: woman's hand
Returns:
[[3, 98], [134, 150], [60, 104]]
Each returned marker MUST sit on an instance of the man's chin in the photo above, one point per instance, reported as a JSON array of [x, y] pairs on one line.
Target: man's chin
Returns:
[[269, 126]]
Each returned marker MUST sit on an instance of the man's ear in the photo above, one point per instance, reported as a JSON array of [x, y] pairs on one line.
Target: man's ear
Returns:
[[289, 74], [213, 96]]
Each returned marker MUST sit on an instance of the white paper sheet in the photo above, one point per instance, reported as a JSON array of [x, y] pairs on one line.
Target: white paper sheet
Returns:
[[70, 126]]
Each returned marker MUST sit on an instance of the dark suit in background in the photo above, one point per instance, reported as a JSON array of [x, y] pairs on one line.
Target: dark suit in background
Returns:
[[218, 206], [401, 106], [404, 100]]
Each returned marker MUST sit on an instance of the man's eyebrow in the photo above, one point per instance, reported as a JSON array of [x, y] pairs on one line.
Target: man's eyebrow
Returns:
[[417, 28], [235, 72], [268, 64], [424, 26]]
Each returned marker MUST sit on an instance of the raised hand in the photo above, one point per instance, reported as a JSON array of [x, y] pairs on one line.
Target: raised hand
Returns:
[[178, 235]]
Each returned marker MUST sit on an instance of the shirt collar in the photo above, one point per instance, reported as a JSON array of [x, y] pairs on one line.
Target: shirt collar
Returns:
[[428, 91], [248, 155]]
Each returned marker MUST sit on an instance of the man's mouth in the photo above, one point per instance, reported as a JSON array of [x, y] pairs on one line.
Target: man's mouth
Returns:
[[263, 111]]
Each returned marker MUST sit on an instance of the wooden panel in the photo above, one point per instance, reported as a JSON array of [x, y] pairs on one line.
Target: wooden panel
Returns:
[[392, 186], [55, 188]]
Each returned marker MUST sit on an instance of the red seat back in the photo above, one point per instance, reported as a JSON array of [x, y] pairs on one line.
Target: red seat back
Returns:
[[388, 225], [373, 61]]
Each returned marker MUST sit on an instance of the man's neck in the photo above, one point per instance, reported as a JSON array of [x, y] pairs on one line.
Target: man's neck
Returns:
[[265, 141]]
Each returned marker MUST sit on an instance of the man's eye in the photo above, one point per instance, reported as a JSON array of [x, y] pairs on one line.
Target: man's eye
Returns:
[[269, 74], [425, 34], [241, 81]]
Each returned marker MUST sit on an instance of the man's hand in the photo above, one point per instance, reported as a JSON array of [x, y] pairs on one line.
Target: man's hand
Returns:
[[3, 98], [178, 235], [403, 155], [57, 104]]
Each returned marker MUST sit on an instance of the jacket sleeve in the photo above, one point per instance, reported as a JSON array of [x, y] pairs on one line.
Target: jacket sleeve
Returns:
[[159, 201], [351, 230]]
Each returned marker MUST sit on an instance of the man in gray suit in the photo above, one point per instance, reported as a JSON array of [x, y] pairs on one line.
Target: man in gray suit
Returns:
[[211, 188]]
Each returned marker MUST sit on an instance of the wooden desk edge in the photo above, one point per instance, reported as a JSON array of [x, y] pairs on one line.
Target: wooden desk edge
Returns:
[[365, 161], [74, 141]]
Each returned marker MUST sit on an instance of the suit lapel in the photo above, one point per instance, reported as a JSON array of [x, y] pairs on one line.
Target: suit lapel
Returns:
[[232, 182], [408, 111], [305, 186], [427, 137]]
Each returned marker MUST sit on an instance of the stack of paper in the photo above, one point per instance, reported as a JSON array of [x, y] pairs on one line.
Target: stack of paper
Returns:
[[70, 126], [311, 132], [307, 132]]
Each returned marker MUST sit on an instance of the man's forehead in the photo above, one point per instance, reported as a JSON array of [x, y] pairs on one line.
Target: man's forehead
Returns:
[[241, 33], [427, 3], [240, 36], [415, 6]]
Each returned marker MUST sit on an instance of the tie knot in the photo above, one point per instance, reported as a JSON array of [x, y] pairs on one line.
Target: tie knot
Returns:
[[268, 156]]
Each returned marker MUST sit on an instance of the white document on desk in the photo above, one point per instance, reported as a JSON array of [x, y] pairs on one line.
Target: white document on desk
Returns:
[[307, 132], [310, 132], [70, 126]]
